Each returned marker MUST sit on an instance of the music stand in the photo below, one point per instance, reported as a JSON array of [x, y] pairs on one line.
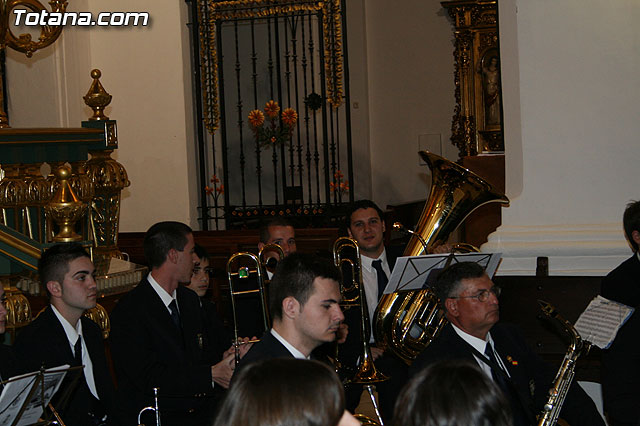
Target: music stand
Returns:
[[25, 397], [418, 272]]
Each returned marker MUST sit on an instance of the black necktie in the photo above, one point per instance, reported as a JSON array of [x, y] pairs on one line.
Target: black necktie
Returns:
[[499, 377], [175, 314], [77, 351], [382, 277]]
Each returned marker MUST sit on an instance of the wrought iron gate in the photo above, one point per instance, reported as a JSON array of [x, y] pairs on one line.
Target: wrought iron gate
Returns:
[[254, 160]]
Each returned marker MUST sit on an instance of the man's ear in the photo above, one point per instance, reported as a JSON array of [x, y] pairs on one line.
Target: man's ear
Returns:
[[349, 231], [635, 236], [451, 306], [260, 246], [290, 307], [384, 229], [55, 289], [172, 256]]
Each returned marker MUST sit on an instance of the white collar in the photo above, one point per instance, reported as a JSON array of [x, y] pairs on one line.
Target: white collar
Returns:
[[296, 353], [367, 261], [162, 293], [71, 331], [477, 343]]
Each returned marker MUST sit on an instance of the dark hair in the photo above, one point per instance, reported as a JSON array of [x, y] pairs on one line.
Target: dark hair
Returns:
[[452, 393], [201, 252], [449, 279], [283, 392], [631, 221], [161, 238], [54, 262], [362, 204], [276, 221], [294, 277]]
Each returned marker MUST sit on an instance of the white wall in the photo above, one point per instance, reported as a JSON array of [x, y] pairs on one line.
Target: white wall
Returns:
[[411, 93], [146, 70], [571, 77]]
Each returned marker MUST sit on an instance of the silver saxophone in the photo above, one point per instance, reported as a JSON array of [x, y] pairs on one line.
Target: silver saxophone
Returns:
[[564, 377]]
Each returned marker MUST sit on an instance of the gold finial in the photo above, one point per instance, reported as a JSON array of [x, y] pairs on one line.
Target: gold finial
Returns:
[[65, 208], [97, 98]]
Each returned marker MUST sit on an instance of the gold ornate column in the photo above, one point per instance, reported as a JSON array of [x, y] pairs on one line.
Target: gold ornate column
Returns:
[[108, 176], [477, 120]]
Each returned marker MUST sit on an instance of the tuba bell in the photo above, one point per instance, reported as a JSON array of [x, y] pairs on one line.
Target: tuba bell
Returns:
[[407, 321]]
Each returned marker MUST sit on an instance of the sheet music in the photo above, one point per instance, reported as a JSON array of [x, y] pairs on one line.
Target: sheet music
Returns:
[[602, 319], [17, 389], [414, 272]]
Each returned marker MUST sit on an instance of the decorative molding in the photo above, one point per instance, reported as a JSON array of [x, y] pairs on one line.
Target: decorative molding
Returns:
[[580, 250]]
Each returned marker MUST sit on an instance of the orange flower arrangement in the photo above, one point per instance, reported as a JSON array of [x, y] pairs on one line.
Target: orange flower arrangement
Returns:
[[338, 185], [216, 189], [280, 127]]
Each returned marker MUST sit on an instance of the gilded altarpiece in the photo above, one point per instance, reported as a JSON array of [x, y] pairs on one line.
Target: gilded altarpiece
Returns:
[[477, 121]]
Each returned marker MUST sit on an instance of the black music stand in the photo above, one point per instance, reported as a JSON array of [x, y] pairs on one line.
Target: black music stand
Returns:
[[29, 394], [418, 272]]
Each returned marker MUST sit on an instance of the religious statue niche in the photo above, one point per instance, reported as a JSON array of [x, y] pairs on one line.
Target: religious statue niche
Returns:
[[477, 121]]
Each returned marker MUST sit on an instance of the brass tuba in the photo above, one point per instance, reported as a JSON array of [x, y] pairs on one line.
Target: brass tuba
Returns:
[[407, 321]]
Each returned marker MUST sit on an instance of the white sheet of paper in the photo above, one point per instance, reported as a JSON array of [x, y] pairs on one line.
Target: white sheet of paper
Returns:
[[411, 272], [601, 320], [15, 393]]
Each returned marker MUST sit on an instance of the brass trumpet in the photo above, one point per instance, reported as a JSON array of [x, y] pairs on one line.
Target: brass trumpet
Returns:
[[155, 408]]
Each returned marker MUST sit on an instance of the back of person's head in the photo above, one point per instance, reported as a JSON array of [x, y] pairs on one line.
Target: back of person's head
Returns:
[[452, 393], [161, 238], [283, 392], [631, 221], [54, 262], [294, 277], [265, 236], [450, 279], [200, 251], [361, 204]]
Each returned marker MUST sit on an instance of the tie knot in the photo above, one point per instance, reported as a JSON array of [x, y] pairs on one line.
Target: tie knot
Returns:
[[377, 264], [173, 306]]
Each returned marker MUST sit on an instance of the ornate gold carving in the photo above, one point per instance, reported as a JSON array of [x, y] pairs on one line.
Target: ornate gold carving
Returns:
[[18, 308], [13, 189], [97, 98], [476, 124], [109, 178], [65, 207], [226, 10], [100, 316]]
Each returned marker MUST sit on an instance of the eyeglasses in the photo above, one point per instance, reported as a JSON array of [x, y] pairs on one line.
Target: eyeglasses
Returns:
[[483, 295]]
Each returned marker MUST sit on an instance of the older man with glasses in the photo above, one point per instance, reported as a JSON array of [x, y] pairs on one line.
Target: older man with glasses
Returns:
[[470, 301]]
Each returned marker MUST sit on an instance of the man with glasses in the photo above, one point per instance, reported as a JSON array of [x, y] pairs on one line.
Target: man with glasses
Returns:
[[470, 301]]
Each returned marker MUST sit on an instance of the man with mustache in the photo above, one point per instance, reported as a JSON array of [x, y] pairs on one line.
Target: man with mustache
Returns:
[[61, 335], [304, 302], [470, 301]]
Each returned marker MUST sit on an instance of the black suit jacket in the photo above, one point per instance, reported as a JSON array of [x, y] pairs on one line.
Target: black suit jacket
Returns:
[[149, 351], [267, 348], [7, 363], [621, 362], [44, 342], [530, 376]]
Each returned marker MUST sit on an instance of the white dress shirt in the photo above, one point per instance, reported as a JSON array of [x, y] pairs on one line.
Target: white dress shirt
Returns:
[[72, 336], [296, 353], [480, 345], [370, 278]]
